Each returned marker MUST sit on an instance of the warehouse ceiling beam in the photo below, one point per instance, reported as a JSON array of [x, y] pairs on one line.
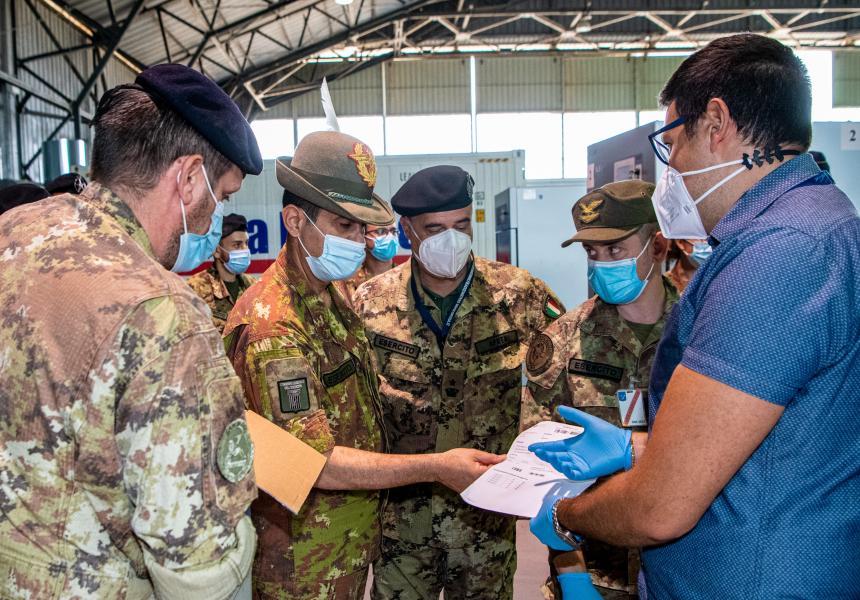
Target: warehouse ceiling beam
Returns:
[[102, 63], [93, 30], [275, 68]]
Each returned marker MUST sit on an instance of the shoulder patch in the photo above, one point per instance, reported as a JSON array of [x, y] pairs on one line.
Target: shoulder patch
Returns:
[[387, 343], [497, 342], [552, 308], [235, 454], [293, 395], [339, 374], [540, 354], [578, 366]]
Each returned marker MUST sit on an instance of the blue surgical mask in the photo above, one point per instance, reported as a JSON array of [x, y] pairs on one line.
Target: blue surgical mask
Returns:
[[238, 262], [195, 249], [701, 252], [617, 282], [385, 247], [340, 258]]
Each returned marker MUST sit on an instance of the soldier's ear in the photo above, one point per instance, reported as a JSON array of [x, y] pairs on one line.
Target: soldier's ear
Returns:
[[660, 247], [293, 219]]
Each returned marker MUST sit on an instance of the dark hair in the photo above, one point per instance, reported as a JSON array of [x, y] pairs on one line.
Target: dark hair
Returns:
[[765, 86], [290, 199], [136, 139]]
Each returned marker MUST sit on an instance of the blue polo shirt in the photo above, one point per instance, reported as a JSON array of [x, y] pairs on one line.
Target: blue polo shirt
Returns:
[[775, 313]]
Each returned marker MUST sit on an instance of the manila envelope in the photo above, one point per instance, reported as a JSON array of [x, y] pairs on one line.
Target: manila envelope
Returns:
[[285, 467]]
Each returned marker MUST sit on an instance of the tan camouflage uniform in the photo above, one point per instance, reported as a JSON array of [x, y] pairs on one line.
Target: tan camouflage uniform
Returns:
[[209, 286], [581, 360], [468, 396], [308, 368], [115, 397]]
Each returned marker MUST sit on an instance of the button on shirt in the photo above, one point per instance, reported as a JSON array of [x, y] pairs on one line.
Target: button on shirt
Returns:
[[775, 313]]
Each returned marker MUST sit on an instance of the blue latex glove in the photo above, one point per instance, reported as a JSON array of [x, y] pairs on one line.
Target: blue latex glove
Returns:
[[602, 449], [542, 527], [577, 586]]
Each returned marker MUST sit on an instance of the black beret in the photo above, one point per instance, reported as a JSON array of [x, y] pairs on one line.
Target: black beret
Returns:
[[70, 183], [21, 193], [232, 224], [208, 109], [434, 189]]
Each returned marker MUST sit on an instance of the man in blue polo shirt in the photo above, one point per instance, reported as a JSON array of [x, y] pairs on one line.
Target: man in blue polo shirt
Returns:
[[748, 483]]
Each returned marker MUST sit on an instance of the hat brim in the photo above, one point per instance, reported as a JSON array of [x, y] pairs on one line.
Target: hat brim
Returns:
[[600, 235], [377, 212]]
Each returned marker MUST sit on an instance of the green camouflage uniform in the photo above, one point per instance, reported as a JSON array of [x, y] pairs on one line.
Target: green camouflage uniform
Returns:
[[115, 400], [581, 360], [209, 286], [308, 369], [468, 396]]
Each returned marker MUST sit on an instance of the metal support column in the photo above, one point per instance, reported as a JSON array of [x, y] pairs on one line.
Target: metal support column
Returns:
[[8, 117]]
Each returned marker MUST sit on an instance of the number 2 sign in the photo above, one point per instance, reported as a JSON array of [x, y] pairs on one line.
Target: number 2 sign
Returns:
[[850, 137]]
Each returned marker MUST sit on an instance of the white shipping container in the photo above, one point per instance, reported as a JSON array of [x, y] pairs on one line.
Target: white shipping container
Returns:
[[259, 200]]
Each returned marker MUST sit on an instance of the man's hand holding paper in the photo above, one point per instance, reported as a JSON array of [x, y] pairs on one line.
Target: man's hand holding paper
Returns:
[[517, 485], [601, 449]]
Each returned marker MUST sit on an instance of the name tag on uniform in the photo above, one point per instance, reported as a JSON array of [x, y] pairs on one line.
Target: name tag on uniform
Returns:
[[578, 366], [631, 407], [340, 374], [497, 343], [387, 343]]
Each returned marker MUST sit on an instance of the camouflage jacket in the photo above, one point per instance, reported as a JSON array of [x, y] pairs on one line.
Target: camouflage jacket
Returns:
[[209, 286], [308, 369], [115, 403], [467, 396], [581, 360], [353, 283]]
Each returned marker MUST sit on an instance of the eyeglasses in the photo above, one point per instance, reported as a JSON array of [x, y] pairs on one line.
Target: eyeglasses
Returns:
[[381, 231], [660, 149]]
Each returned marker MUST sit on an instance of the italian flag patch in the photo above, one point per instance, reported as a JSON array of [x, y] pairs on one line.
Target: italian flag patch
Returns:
[[552, 308]]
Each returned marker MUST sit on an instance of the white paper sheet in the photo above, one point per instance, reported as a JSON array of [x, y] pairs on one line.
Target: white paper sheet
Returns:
[[518, 485]]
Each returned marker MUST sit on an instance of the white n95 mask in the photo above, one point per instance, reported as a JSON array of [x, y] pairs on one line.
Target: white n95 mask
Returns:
[[444, 254], [676, 210]]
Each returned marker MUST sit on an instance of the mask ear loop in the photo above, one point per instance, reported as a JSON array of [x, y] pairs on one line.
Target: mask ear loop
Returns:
[[181, 204], [307, 216], [719, 183], [651, 270]]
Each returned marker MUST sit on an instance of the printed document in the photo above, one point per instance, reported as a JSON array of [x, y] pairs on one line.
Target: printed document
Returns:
[[517, 485]]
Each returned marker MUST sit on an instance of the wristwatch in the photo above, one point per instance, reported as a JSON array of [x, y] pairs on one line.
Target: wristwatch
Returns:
[[566, 536]]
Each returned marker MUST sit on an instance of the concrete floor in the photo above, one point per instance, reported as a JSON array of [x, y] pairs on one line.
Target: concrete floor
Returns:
[[532, 566]]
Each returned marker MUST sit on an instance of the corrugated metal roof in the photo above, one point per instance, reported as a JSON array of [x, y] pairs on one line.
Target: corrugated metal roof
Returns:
[[519, 83], [846, 79], [422, 87]]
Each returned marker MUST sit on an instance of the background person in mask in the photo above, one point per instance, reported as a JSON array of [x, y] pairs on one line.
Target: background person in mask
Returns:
[[747, 484], [606, 345], [381, 247], [450, 332], [112, 370], [222, 283], [685, 257], [305, 363]]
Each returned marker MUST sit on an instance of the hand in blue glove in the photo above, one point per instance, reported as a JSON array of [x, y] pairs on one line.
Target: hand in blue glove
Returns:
[[577, 586], [602, 449], [543, 528]]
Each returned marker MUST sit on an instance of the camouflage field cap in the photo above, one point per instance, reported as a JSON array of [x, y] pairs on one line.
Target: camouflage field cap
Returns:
[[612, 212], [336, 172]]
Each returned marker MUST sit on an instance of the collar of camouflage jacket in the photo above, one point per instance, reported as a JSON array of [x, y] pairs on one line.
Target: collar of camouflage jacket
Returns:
[[102, 199], [478, 295], [605, 320]]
